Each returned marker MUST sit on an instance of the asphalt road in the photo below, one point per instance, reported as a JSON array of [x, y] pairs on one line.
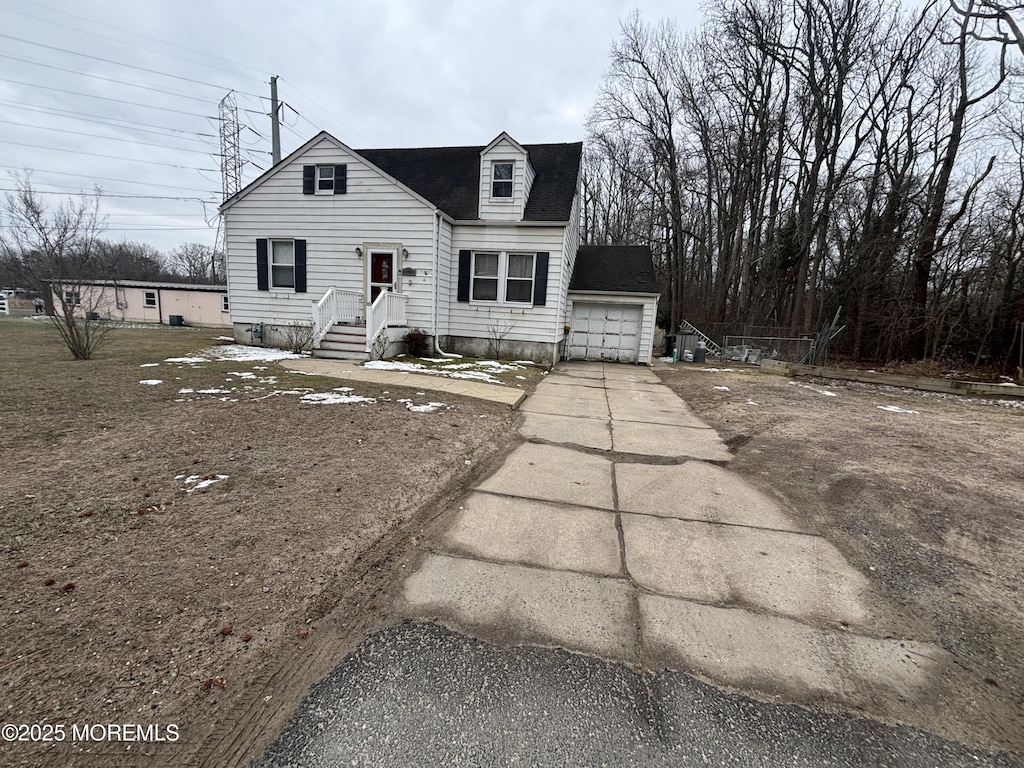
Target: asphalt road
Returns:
[[421, 695]]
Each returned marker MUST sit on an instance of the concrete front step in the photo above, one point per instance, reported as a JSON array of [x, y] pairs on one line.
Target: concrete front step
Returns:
[[333, 353], [343, 342]]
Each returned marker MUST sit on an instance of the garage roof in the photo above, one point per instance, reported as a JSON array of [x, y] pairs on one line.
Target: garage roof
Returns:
[[615, 268]]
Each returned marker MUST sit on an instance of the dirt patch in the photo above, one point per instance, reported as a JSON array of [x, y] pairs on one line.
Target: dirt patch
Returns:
[[191, 544], [921, 492]]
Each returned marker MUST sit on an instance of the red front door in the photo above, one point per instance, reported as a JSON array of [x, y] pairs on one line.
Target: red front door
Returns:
[[382, 272]]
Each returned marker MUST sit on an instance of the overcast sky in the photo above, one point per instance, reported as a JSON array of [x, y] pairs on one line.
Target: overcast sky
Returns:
[[124, 94]]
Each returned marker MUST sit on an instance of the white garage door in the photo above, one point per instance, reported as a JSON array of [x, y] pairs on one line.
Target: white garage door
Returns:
[[605, 332]]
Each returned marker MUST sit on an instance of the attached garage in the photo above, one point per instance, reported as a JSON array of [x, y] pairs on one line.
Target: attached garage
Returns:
[[613, 304], [605, 331]]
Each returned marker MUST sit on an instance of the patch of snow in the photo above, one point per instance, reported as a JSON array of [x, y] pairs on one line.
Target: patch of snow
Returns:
[[334, 398], [475, 376], [214, 391], [721, 389], [716, 370], [223, 338], [393, 365], [521, 378], [524, 362], [242, 374], [197, 481], [186, 391], [149, 365], [425, 408], [246, 353], [826, 393], [895, 409], [751, 402], [151, 382], [187, 360]]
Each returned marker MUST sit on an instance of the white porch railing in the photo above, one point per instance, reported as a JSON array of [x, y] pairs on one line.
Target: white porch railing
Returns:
[[387, 311], [336, 306]]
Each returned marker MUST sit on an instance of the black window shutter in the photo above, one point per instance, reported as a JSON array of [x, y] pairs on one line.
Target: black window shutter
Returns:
[[340, 179], [309, 179], [262, 265], [540, 283], [465, 265], [300, 266]]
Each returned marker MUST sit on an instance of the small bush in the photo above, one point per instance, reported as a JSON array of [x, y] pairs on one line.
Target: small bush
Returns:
[[417, 343], [298, 337]]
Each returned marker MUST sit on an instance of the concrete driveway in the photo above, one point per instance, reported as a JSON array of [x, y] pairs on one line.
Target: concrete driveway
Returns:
[[616, 529]]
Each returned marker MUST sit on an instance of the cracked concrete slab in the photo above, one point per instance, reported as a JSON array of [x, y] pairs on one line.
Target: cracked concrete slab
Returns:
[[782, 656], [553, 473], [790, 574], [535, 533], [672, 441], [518, 604], [576, 392], [566, 406], [559, 380], [590, 433], [697, 491], [633, 374]]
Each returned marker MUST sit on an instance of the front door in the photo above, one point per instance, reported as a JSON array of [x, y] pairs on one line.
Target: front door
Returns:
[[382, 272]]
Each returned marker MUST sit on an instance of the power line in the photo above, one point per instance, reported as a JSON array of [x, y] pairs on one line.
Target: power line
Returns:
[[107, 79], [327, 112], [122, 64], [115, 195], [104, 98], [108, 178], [112, 138], [90, 118], [109, 157], [136, 34]]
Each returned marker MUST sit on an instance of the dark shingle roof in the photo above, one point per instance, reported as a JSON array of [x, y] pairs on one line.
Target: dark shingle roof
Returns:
[[449, 177], [619, 268]]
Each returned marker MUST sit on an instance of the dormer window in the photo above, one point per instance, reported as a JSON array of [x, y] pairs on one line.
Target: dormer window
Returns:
[[501, 179]]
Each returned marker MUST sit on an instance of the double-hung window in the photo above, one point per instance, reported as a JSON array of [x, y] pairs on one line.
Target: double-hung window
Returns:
[[501, 179], [149, 299], [282, 264], [72, 298], [485, 277], [519, 278], [325, 179], [503, 277]]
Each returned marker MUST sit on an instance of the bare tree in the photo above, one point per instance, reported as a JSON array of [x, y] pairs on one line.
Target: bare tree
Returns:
[[198, 263], [55, 250]]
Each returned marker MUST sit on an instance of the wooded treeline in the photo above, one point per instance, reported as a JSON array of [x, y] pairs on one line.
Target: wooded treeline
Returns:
[[791, 158]]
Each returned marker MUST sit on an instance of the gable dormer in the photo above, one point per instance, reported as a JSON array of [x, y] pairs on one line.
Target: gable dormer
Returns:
[[506, 177]]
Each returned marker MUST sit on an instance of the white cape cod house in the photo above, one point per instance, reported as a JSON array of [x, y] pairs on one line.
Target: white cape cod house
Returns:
[[474, 246]]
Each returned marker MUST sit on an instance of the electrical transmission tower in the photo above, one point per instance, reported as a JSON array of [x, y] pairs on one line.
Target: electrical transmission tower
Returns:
[[230, 147], [230, 161]]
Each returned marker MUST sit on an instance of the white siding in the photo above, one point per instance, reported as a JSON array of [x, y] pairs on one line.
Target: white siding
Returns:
[[535, 324], [504, 209], [447, 278], [374, 210], [570, 247]]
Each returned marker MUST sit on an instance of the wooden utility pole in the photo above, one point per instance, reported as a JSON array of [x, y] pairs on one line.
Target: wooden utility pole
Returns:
[[275, 122]]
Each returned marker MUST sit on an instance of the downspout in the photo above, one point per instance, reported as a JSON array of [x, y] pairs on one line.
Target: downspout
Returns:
[[433, 293]]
